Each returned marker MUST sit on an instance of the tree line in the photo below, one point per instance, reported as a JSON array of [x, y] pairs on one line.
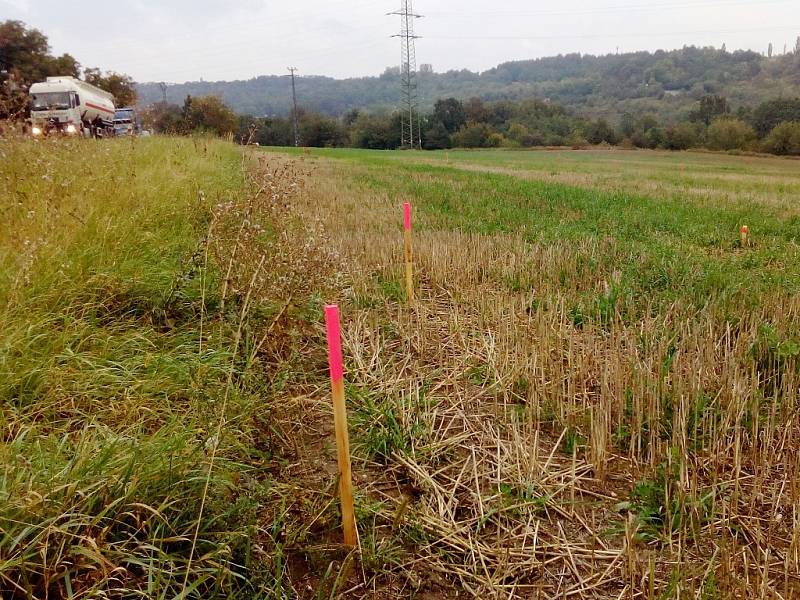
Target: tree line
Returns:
[[772, 126]]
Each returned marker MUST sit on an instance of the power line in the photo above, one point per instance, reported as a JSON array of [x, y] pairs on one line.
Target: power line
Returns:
[[294, 110], [408, 77]]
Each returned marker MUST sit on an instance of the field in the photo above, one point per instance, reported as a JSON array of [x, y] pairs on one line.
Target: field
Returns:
[[595, 394]]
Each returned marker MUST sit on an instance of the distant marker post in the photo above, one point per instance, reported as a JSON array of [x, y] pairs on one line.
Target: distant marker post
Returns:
[[409, 252], [340, 424], [745, 236]]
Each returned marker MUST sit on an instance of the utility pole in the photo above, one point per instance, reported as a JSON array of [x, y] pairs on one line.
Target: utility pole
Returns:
[[294, 110], [163, 87], [410, 136]]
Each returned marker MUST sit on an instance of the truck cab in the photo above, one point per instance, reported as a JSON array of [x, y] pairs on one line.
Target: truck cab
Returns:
[[55, 111], [69, 106]]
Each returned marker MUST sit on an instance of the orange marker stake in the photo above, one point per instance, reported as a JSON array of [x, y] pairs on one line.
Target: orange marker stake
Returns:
[[745, 233], [340, 423], [409, 252]]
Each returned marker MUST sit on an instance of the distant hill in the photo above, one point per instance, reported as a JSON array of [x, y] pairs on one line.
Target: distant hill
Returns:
[[664, 82]]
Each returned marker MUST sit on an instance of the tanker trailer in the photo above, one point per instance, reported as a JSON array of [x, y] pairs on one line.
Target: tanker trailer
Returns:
[[72, 107]]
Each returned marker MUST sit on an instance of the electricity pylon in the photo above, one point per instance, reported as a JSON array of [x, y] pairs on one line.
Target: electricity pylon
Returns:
[[410, 136]]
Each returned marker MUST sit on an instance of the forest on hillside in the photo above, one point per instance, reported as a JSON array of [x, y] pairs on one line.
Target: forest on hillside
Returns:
[[666, 83]]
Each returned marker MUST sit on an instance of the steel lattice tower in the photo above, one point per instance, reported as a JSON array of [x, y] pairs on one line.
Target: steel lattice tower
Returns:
[[295, 124], [411, 136]]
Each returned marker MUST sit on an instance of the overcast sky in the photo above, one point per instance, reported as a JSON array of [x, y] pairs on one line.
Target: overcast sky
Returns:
[[181, 40]]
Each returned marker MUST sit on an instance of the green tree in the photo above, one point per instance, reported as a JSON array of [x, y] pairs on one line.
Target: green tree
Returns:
[[376, 132], [519, 133], [474, 135], [208, 114], [681, 137], [598, 132], [319, 131], [627, 125], [450, 113], [165, 118], [769, 114], [709, 108], [726, 133], [350, 117], [25, 59], [118, 85], [476, 111], [655, 137], [647, 133], [784, 139], [274, 131], [436, 136]]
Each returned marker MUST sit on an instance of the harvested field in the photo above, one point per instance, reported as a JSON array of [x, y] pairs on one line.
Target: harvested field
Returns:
[[595, 395]]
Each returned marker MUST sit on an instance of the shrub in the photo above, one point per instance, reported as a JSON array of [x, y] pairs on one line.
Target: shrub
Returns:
[[209, 114], [681, 137], [474, 135], [600, 131], [730, 134], [772, 113], [784, 139], [496, 140], [376, 132], [520, 134], [654, 138], [319, 131]]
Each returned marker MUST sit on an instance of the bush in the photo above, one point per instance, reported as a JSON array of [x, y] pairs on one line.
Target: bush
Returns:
[[209, 114], [598, 132], [784, 139], [474, 135], [319, 131], [496, 140], [376, 132], [517, 132], [730, 134], [768, 115], [681, 137]]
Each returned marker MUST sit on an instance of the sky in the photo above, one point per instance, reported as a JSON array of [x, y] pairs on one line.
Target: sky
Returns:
[[189, 40]]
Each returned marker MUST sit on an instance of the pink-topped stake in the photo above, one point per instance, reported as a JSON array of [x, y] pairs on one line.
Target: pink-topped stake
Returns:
[[407, 216], [409, 252], [340, 424], [332, 326]]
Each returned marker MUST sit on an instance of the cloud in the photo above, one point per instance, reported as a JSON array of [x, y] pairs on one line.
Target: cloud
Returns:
[[15, 8], [177, 40]]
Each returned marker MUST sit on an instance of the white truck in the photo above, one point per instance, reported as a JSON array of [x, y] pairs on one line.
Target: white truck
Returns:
[[70, 106]]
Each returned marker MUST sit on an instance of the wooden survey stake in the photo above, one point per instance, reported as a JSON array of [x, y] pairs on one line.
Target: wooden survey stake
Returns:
[[745, 236], [340, 423], [409, 252]]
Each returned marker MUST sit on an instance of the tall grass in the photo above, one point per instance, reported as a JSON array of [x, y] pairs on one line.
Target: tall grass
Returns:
[[109, 397]]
